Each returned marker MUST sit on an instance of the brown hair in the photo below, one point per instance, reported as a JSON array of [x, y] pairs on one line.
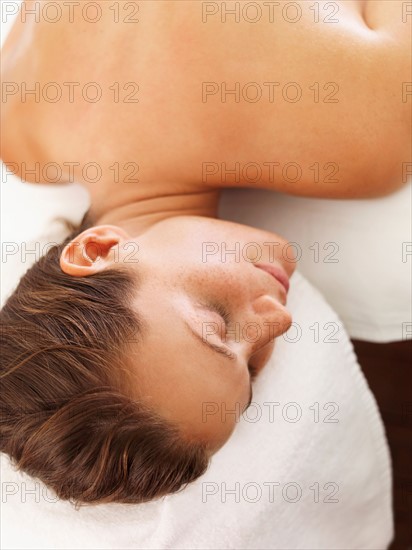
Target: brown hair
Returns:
[[66, 416]]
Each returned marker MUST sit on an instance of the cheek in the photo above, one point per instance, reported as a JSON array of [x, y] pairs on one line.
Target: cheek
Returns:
[[221, 407], [210, 407], [219, 416], [204, 396], [225, 282]]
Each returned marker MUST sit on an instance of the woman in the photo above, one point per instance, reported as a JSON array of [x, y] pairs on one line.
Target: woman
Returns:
[[75, 300]]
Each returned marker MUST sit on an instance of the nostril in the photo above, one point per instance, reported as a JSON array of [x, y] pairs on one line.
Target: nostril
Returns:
[[253, 371]]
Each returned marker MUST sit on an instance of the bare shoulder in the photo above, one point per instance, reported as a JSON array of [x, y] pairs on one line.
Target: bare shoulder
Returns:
[[334, 118]]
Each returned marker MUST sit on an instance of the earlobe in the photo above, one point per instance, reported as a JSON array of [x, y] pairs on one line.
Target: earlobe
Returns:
[[92, 251]]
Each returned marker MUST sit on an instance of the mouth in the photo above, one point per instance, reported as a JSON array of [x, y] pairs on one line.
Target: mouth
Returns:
[[277, 273]]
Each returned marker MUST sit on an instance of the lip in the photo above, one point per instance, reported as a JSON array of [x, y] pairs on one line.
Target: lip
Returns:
[[277, 272]]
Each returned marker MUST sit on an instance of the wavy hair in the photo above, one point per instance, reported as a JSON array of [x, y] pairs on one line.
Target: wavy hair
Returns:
[[67, 413]]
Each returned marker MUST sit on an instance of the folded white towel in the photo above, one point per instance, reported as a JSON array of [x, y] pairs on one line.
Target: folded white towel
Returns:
[[313, 472]]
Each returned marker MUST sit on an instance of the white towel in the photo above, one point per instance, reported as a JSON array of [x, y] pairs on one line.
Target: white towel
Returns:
[[318, 484]]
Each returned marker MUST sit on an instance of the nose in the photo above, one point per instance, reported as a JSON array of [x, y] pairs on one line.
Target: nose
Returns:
[[267, 306], [269, 320]]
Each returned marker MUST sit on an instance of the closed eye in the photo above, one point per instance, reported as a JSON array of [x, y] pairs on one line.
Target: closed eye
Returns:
[[222, 311]]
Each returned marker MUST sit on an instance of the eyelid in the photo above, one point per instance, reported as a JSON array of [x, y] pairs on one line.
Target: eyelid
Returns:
[[222, 311], [226, 352]]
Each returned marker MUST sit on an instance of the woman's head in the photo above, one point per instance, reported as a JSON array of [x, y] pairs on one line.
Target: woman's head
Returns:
[[120, 375]]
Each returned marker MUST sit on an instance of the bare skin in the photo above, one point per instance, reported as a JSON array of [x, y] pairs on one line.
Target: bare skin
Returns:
[[178, 124], [179, 133]]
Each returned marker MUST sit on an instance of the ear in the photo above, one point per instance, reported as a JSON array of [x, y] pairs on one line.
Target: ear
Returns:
[[92, 251]]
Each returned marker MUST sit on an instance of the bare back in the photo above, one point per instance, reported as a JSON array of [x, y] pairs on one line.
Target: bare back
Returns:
[[306, 98]]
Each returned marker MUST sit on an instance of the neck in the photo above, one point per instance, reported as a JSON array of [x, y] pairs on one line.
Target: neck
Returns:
[[135, 208]]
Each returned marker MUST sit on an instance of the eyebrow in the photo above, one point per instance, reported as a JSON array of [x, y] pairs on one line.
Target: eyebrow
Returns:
[[215, 347], [223, 351]]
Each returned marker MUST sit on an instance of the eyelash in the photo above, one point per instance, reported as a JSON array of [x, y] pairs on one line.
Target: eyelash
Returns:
[[222, 311]]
